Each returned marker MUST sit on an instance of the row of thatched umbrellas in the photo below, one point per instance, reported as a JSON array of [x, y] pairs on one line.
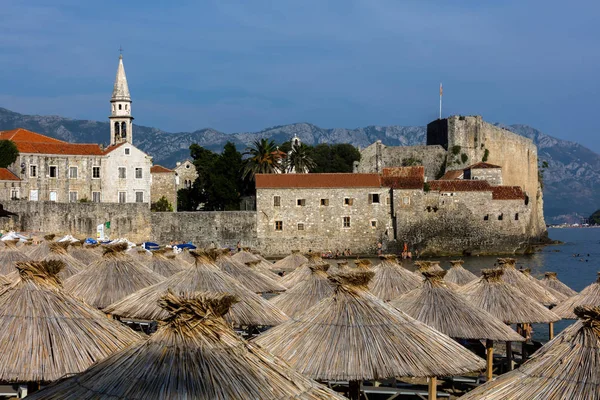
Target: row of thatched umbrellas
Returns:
[[348, 333]]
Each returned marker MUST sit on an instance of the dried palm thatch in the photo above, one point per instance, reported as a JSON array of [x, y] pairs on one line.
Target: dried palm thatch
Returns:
[[112, 278], [245, 256], [435, 266], [363, 263], [550, 280], [528, 287], [203, 276], [458, 274], [58, 251], [440, 307], [4, 280], [84, 254], [337, 267], [353, 335], [251, 279], [302, 272], [9, 256], [140, 254], [392, 280], [41, 250], [305, 294], [557, 295], [291, 262], [193, 355], [590, 296], [165, 266], [564, 368], [503, 301], [46, 333]]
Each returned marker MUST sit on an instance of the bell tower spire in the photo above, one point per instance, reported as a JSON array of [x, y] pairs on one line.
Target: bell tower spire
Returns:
[[121, 121]]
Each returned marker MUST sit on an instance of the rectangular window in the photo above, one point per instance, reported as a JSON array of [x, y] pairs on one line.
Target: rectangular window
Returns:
[[138, 173], [72, 172], [500, 217], [276, 201], [96, 172], [139, 197], [325, 202], [33, 195], [300, 226], [348, 201], [373, 223], [406, 200], [96, 197], [122, 173], [373, 198], [516, 216], [301, 202], [33, 171], [53, 196], [122, 197], [486, 217], [14, 194], [278, 225], [72, 197], [127, 151], [53, 173], [346, 221]]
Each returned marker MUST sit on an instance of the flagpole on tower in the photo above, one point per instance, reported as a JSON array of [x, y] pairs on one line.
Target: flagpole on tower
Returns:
[[441, 93]]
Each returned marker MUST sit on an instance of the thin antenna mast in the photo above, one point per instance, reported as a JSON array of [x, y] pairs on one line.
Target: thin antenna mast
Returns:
[[441, 93]]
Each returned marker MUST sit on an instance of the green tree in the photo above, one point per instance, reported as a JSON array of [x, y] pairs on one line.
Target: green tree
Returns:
[[299, 159], [595, 218], [262, 159], [187, 199], [8, 153], [162, 205], [335, 158]]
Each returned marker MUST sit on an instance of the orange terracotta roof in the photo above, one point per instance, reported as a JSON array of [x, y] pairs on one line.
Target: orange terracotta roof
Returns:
[[113, 147], [404, 177], [24, 135], [452, 175], [482, 165], [460, 186], [159, 169], [7, 175], [507, 193], [31, 142], [264, 181]]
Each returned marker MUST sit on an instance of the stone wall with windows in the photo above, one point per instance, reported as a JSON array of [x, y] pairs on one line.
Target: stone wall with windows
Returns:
[[126, 175], [163, 184]]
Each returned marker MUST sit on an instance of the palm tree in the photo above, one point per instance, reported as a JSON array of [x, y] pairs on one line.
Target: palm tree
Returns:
[[299, 159], [263, 159]]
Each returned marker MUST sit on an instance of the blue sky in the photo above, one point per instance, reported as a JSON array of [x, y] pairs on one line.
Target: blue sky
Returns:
[[247, 65]]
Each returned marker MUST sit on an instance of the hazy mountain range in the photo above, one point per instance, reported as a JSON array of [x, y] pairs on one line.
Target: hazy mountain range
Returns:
[[572, 180]]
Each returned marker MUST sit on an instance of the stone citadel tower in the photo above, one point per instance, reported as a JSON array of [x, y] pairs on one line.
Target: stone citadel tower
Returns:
[[121, 121]]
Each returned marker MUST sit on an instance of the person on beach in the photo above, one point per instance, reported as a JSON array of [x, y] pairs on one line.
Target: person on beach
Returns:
[[239, 246], [379, 248]]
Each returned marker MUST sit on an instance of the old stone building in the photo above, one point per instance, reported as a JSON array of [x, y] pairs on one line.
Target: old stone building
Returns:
[[58, 171], [185, 174], [10, 185], [163, 184]]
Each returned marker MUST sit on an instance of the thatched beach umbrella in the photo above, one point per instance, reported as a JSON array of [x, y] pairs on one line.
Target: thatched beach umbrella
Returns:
[[260, 267], [9, 256], [391, 279], [363, 263], [306, 293], [354, 336], [435, 266], [193, 355], [251, 279], [302, 272], [203, 276], [245, 256], [58, 251], [112, 278], [564, 368], [46, 333], [531, 288], [291, 262], [337, 267], [590, 296], [557, 295], [440, 307], [85, 254], [458, 274], [165, 264], [42, 249], [550, 280]]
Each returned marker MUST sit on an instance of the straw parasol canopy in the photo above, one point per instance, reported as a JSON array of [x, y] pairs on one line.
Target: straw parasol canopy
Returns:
[[193, 355], [564, 368], [164, 265], [557, 295], [458, 274], [305, 294], [251, 279], [353, 335], [263, 266], [9, 256], [590, 296], [503, 301], [440, 307], [84, 254], [245, 256], [363, 263], [291, 262], [526, 286], [391, 279], [435, 265], [302, 272], [46, 333], [41, 250], [550, 280], [203, 276], [112, 278], [58, 251], [340, 266]]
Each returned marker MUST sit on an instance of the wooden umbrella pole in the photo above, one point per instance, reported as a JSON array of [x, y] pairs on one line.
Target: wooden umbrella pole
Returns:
[[489, 345], [509, 356], [551, 330], [432, 394], [524, 344], [354, 390]]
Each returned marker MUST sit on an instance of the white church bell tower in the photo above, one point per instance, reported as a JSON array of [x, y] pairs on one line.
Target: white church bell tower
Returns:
[[121, 121]]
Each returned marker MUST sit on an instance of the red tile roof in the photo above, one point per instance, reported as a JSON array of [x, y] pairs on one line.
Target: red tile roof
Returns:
[[113, 147], [482, 165], [31, 142], [316, 180], [7, 175], [159, 169], [460, 186], [507, 193], [404, 177], [452, 175]]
